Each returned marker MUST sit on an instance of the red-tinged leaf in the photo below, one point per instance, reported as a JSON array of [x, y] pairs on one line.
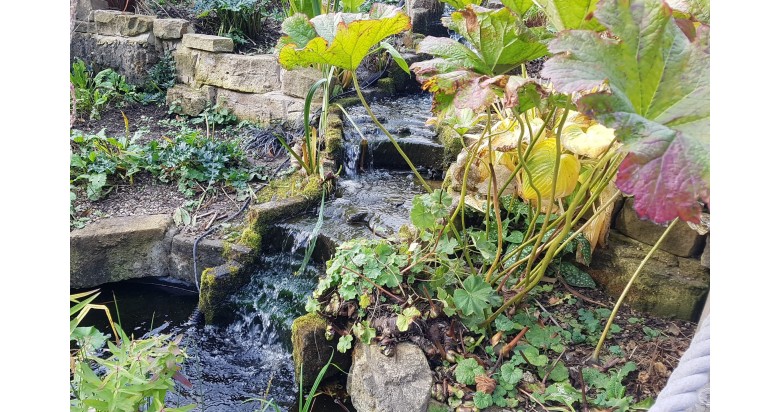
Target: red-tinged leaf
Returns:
[[652, 87], [182, 379]]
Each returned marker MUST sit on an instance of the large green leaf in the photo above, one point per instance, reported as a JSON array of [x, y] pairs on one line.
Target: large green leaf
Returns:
[[571, 14], [298, 29], [654, 86], [499, 37], [344, 39]]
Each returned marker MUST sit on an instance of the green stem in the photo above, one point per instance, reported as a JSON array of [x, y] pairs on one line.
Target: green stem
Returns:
[[389, 136], [595, 356]]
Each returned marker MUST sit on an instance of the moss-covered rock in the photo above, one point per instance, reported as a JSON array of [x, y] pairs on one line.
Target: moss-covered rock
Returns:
[[386, 85], [217, 284], [334, 138], [669, 286], [452, 142], [312, 351]]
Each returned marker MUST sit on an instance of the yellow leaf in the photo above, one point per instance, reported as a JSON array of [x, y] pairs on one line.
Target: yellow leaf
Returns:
[[541, 165], [591, 143]]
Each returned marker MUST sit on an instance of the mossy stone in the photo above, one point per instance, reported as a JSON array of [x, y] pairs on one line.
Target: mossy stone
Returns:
[[452, 142], [217, 284], [312, 351]]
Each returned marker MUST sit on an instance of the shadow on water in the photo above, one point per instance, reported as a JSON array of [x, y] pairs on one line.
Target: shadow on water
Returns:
[[230, 365]]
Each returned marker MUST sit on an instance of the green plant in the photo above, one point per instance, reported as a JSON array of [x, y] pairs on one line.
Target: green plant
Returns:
[[242, 20], [96, 158], [161, 77], [215, 116], [136, 374], [93, 94]]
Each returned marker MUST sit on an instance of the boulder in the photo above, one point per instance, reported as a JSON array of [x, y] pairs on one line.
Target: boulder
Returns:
[[682, 241], [237, 72], [189, 101], [401, 382], [208, 42], [705, 255], [169, 29], [120, 248], [426, 17], [311, 351], [668, 286], [117, 23]]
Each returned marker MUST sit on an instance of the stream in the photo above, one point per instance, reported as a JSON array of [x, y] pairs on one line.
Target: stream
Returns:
[[233, 364]]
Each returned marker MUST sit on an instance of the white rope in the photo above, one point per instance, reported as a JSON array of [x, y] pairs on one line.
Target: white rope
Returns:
[[688, 388]]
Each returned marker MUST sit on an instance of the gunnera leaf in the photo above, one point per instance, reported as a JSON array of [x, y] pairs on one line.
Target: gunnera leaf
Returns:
[[653, 89], [571, 14]]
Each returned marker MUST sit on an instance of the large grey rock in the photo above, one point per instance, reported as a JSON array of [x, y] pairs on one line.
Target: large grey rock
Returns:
[[84, 8], [311, 351], [242, 73], [207, 42], [264, 108], [117, 23], [120, 248], [131, 57], [668, 286], [189, 101], [296, 83], [380, 383], [682, 241], [168, 29]]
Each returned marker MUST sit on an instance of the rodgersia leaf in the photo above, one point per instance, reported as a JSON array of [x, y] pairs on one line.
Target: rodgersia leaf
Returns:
[[654, 86], [345, 38], [571, 14]]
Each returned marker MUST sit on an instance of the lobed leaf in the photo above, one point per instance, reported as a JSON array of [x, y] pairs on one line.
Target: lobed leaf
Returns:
[[653, 89]]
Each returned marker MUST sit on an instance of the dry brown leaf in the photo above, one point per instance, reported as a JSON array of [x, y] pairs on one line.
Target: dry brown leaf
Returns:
[[485, 384]]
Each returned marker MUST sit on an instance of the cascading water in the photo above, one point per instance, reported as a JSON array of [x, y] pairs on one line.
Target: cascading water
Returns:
[[404, 117]]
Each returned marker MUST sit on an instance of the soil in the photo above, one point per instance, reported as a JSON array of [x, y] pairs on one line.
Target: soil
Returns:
[[145, 195]]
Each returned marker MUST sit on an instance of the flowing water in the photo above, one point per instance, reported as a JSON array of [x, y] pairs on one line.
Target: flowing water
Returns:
[[404, 117], [233, 364]]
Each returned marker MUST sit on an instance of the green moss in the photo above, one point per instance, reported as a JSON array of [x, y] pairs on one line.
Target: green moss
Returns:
[[304, 327], [452, 143], [334, 140], [216, 287], [386, 85], [250, 239], [290, 186], [348, 101]]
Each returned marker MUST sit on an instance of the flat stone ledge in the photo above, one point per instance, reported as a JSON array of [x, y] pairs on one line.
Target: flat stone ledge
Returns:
[[117, 23], [211, 253], [236, 72], [170, 29], [120, 248], [208, 42]]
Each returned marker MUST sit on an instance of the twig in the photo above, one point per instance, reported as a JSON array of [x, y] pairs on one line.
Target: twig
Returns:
[[582, 384], [230, 198], [578, 294], [532, 398], [552, 318], [552, 367], [211, 221]]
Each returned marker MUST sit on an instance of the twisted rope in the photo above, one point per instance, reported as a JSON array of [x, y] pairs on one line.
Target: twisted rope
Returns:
[[688, 388]]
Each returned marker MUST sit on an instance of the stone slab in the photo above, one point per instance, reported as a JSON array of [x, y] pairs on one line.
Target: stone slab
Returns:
[[117, 23], [208, 42], [211, 253], [120, 248], [668, 286], [296, 83], [682, 241], [169, 29], [185, 60], [241, 73], [422, 153], [262, 108]]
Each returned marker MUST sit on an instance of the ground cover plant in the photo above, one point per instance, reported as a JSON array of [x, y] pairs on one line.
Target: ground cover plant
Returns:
[[530, 197]]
